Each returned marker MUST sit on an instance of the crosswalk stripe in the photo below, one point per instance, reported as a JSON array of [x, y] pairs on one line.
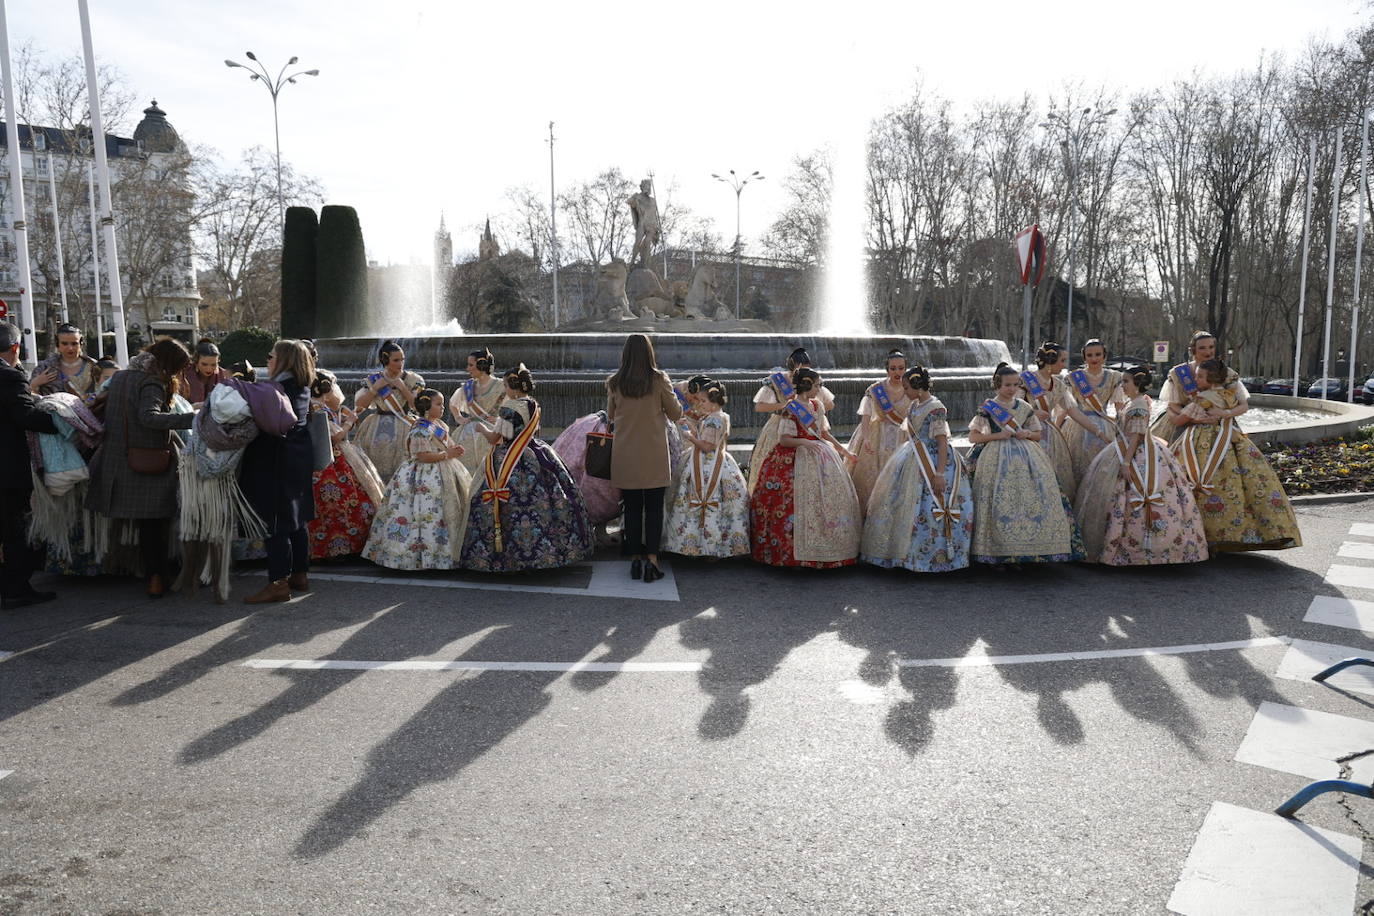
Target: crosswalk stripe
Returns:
[[1350, 576], [1362, 529], [1308, 743], [1341, 612], [1356, 550], [1305, 658], [1260, 864]]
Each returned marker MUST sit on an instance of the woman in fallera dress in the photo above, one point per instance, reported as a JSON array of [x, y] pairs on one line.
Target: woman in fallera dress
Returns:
[[476, 399], [1243, 504], [709, 514], [391, 391], [804, 510], [422, 521], [771, 398], [1092, 390], [1047, 392], [1179, 386], [920, 514], [879, 433], [1135, 507], [1022, 516], [526, 512], [348, 492]]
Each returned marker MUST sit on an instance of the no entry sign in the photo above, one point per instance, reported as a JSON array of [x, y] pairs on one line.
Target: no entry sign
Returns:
[[1030, 252]]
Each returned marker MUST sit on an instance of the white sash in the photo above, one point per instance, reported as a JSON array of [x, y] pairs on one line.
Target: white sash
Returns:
[[1202, 472], [946, 503]]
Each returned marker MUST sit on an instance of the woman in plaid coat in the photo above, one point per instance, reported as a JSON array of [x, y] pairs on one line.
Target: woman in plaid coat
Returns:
[[138, 414]]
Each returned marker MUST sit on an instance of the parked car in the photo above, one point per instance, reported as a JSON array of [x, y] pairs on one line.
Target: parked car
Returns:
[[1334, 387], [1253, 383], [1365, 393], [1277, 386]]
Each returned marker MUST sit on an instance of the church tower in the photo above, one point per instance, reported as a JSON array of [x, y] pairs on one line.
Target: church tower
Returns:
[[487, 249], [442, 270]]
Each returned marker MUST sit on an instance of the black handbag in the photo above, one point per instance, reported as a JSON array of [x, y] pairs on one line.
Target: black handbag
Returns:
[[144, 460], [599, 446]]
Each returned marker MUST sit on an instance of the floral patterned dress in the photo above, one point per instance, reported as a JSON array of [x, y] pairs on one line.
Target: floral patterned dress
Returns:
[[1243, 504], [908, 524], [603, 500], [421, 523], [486, 396], [804, 510], [382, 434], [1173, 392], [1023, 517], [1084, 445], [877, 437], [772, 428], [1149, 518], [535, 518], [709, 514], [346, 497], [1056, 401]]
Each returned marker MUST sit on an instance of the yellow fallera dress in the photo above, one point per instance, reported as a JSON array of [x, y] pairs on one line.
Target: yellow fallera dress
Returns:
[[877, 437]]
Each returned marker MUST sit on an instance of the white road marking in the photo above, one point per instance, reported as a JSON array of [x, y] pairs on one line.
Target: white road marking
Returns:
[[1356, 550], [1305, 742], [971, 661], [4, 655], [1305, 658], [1362, 529], [610, 579], [329, 664], [1341, 612], [861, 693], [1350, 576], [4, 773], [1261, 864]]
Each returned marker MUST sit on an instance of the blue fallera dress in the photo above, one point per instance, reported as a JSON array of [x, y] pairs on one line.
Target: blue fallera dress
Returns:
[[533, 519]]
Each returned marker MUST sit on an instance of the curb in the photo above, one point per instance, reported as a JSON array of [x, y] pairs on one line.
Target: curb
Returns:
[[1321, 499]]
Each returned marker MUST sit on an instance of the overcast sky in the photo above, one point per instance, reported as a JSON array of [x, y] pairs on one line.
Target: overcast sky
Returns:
[[422, 107]]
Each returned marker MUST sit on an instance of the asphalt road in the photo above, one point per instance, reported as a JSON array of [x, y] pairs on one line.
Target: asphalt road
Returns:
[[785, 761]]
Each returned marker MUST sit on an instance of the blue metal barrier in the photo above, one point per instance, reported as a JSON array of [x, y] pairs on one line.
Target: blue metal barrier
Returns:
[[1294, 804], [1341, 666]]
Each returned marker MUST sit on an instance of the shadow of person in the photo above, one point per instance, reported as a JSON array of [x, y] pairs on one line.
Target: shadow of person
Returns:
[[746, 645], [627, 639], [452, 730]]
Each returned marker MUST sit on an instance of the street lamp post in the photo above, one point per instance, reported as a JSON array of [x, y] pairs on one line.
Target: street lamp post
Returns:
[[738, 184], [274, 88], [1076, 127]]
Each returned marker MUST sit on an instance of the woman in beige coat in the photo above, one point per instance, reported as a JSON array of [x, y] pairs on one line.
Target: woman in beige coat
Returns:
[[640, 403]]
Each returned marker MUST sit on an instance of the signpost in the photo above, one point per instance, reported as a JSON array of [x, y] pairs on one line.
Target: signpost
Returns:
[[1030, 254]]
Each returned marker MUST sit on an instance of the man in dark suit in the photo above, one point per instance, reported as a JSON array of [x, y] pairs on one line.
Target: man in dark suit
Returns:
[[17, 416]]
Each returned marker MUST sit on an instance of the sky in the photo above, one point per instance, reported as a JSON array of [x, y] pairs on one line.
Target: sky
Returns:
[[423, 108]]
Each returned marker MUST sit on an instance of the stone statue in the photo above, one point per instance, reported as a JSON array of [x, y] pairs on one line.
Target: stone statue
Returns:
[[649, 296], [610, 300], [648, 228], [703, 295]]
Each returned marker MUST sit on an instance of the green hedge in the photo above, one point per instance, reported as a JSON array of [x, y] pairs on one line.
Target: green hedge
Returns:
[[252, 344]]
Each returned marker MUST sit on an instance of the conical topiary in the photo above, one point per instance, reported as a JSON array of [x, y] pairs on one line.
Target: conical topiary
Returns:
[[340, 274], [298, 273]]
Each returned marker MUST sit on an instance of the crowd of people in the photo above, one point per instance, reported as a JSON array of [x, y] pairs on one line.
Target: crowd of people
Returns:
[[110, 469]]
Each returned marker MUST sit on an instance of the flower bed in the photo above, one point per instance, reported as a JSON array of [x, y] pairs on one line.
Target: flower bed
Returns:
[[1342, 465]]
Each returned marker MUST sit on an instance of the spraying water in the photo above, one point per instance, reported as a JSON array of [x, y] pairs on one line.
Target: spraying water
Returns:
[[844, 302]]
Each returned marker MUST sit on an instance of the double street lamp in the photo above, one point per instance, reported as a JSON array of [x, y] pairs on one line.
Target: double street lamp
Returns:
[[738, 184], [274, 87], [1076, 126]]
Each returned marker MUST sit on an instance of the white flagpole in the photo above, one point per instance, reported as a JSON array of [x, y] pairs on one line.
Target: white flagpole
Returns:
[[102, 168], [56, 232], [1331, 259], [21, 235], [1302, 282], [95, 263], [1359, 250]]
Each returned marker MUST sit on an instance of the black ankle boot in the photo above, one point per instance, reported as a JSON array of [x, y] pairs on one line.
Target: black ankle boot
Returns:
[[636, 568]]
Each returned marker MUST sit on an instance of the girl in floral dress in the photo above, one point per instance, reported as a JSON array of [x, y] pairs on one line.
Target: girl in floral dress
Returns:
[[347, 492], [421, 523], [879, 433], [920, 515], [709, 514], [1022, 515], [526, 512], [804, 510], [391, 391], [603, 500], [476, 399], [772, 398], [1047, 392], [1135, 507], [1092, 389], [1243, 504]]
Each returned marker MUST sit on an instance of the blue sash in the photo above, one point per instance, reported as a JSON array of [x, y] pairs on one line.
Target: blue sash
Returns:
[[1184, 372], [373, 378], [433, 428], [880, 395], [805, 417], [782, 383], [999, 414], [1079, 377], [470, 390], [1032, 382], [682, 399]]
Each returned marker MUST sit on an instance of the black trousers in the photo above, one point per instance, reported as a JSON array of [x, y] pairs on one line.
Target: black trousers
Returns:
[[288, 552], [153, 534], [643, 521], [20, 558]]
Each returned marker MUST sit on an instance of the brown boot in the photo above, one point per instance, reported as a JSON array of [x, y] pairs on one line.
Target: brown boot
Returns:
[[274, 591], [299, 582]]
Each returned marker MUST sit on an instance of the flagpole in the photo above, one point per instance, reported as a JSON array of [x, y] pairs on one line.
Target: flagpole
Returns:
[[1331, 258], [1359, 249], [1302, 281], [21, 235]]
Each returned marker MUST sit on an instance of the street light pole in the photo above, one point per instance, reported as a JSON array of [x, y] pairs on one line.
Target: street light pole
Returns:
[[738, 184], [553, 227], [21, 235], [56, 229], [274, 88]]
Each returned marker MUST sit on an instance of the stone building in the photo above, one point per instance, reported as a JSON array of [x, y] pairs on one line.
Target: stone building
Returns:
[[147, 173]]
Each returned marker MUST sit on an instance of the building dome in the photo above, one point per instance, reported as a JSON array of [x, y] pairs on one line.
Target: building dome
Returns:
[[155, 133]]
